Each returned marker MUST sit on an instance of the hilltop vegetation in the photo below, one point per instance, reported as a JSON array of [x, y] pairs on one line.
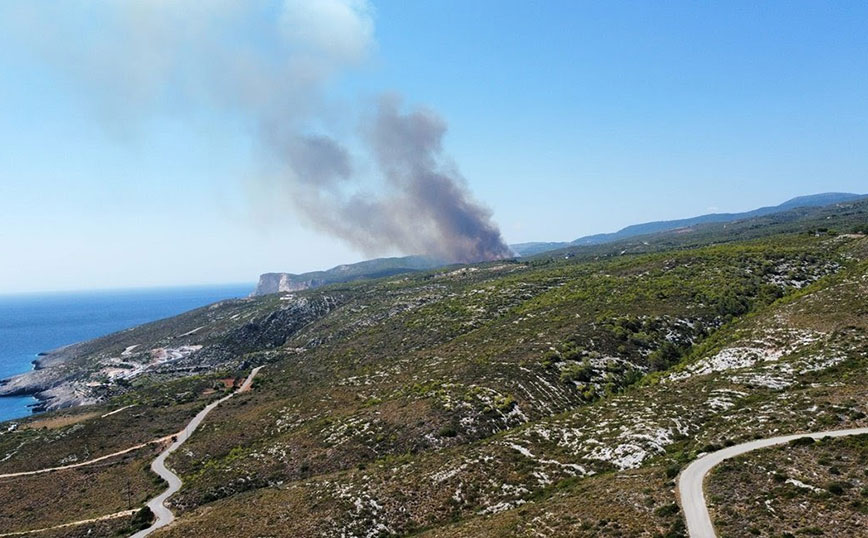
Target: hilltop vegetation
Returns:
[[562, 392], [803, 204]]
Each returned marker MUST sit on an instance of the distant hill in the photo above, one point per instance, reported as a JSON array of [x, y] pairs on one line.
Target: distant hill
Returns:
[[383, 267], [635, 230], [537, 247], [840, 218], [815, 200], [369, 269]]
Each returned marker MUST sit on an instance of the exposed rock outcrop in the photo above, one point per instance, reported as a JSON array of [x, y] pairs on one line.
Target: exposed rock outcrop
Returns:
[[283, 282], [212, 337], [376, 268]]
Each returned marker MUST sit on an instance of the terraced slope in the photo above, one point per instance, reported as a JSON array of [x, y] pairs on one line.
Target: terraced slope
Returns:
[[553, 395]]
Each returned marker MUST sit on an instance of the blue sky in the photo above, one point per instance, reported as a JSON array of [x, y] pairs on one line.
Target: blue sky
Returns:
[[566, 118]]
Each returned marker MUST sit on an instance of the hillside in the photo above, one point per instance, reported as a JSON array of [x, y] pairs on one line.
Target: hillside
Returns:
[[766, 490], [816, 200], [561, 392], [657, 227]]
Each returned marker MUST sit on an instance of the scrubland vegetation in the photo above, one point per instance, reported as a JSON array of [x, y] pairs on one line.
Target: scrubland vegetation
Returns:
[[558, 395]]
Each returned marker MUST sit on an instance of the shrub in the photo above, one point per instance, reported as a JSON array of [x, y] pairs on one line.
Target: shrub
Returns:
[[448, 431], [666, 510], [664, 356], [141, 519], [836, 488], [577, 372]]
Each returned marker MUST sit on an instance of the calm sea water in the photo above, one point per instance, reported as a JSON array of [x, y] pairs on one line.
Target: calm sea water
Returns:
[[33, 323]]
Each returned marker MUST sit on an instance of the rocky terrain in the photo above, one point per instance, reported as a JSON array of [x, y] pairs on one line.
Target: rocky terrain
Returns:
[[766, 494], [557, 395]]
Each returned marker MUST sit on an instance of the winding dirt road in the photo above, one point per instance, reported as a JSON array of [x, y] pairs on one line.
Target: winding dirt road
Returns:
[[125, 513], [690, 490], [157, 506], [88, 462]]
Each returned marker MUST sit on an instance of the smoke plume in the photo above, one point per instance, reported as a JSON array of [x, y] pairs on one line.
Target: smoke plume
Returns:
[[271, 64], [423, 206]]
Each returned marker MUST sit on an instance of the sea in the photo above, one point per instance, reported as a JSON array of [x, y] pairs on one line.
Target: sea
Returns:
[[31, 323]]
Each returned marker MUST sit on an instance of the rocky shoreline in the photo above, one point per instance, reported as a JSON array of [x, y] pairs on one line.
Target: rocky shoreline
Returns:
[[45, 382], [215, 336]]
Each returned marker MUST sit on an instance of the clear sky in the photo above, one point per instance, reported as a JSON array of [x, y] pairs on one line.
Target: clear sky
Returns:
[[566, 119]]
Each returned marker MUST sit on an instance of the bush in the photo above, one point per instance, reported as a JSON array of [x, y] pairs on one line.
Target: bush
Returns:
[[734, 305], [141, 520], [551, 358], [577, 372], [666, 510], [710, 447], [448, 431], [664, 356], [836, 488]]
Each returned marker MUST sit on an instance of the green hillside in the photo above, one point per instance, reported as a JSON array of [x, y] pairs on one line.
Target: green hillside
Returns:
[[559, 394]]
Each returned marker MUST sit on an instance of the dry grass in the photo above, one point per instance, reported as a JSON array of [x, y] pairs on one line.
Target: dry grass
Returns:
[[54, 422], [58, 497]]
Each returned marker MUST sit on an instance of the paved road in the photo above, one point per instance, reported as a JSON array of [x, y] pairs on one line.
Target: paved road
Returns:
[[157, 506], [690, 482]]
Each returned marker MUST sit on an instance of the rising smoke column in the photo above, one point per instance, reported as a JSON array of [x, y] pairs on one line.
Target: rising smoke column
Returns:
[[162, 56], [431, 192], [423, 206]]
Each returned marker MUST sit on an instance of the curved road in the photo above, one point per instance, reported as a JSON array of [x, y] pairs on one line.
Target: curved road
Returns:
[[164, 515], [690, 482]]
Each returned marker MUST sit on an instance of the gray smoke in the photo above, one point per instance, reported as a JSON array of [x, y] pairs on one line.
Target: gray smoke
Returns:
[[424, 205], [165, 57]]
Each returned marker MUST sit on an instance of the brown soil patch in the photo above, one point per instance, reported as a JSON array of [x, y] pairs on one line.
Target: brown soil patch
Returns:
[[228, 382], [58, 422]]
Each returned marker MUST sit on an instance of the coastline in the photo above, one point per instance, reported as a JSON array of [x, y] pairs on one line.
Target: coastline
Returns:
[[60, 325], [21, 386]]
